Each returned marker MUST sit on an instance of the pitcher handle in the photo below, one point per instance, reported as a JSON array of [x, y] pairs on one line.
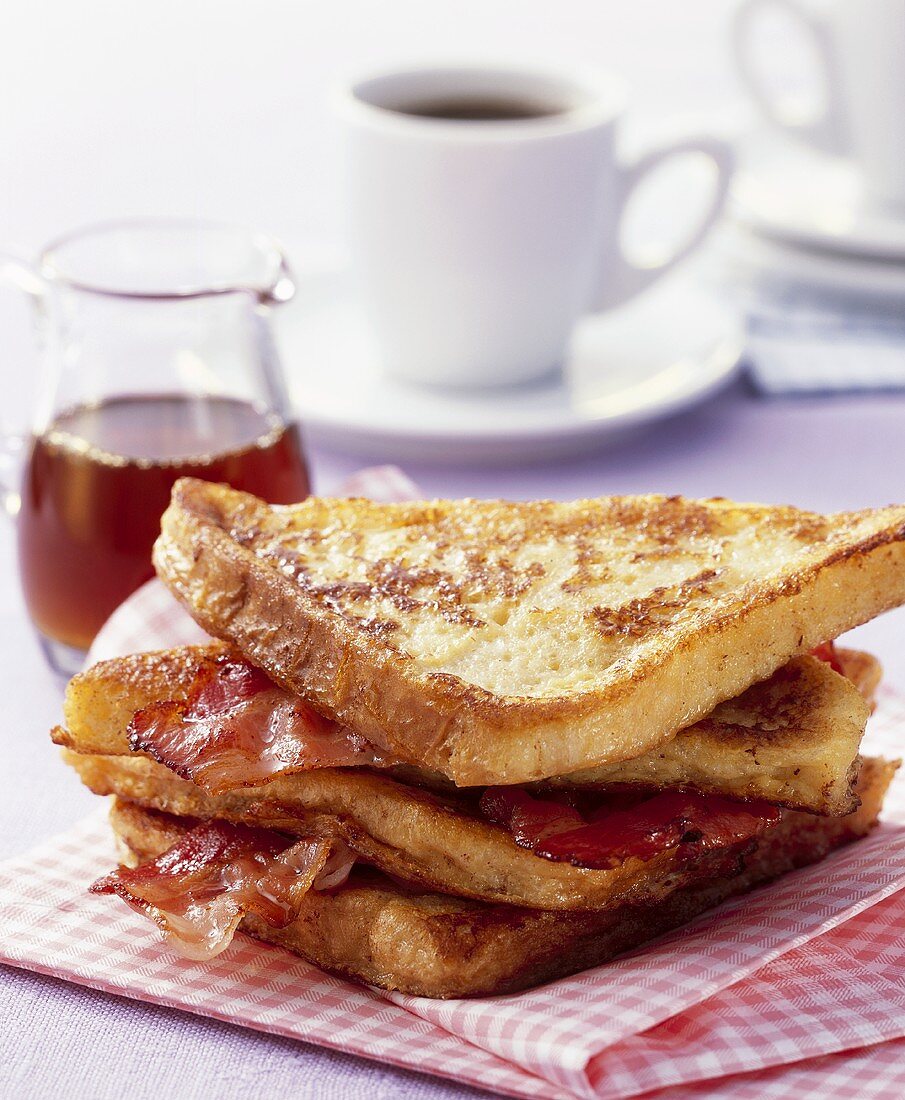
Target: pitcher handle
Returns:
[[17, 272], [11, 458], [282, 288]]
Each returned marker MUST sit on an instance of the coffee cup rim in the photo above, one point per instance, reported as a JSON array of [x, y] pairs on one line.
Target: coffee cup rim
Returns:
[[601, 98]]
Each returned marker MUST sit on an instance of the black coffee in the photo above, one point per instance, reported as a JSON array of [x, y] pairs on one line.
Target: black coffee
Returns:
[[480, 109]]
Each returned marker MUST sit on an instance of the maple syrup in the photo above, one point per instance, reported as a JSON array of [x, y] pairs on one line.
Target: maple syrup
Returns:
[[99, 478]]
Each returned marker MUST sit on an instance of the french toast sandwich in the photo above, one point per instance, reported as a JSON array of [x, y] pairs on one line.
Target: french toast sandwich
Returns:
[[464, 732]]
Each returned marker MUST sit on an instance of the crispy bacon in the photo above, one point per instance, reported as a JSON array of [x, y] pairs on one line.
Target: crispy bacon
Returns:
[[827, 652], [530, 820], [236, 728], [606, 837], [199, 890]]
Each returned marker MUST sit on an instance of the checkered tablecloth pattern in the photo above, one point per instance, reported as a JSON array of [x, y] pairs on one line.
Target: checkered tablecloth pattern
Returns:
[[795, 990]]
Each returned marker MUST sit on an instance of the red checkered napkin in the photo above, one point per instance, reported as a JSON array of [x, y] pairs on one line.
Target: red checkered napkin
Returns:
[[760, 999]]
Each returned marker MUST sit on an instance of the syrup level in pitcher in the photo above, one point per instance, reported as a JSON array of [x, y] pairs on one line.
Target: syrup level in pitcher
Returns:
[[99, 478]]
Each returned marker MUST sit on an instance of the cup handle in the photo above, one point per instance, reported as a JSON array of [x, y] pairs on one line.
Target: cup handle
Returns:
[[826, 132], [20, 274], [630, 278]]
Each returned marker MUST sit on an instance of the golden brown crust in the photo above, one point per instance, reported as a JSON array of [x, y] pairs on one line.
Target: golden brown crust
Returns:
[[267, 580], [374, 931]]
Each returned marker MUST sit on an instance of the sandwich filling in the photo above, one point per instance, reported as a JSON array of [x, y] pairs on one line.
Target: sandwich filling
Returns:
[[606, 837], [200, 889], [236, 728]]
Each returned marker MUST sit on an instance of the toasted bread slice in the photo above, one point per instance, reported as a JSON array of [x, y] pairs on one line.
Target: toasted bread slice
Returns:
[[508, 642], [436, 842], [373, 930], [791, 739]]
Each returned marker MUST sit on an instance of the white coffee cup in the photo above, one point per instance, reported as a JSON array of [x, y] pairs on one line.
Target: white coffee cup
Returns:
[[479, 242], [860, 49]]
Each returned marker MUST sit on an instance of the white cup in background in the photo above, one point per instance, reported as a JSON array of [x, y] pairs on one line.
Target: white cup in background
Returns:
[[478, 242], [859, 46]]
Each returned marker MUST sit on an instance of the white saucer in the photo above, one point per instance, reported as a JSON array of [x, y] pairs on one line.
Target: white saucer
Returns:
[[666, 351], [757, 261], [805, 198]]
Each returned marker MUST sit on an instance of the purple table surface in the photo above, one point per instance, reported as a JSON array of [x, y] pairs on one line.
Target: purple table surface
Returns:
[[63, 1040]]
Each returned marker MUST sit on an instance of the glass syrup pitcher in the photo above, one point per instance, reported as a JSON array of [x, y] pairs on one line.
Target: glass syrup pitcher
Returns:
[[157, 362]]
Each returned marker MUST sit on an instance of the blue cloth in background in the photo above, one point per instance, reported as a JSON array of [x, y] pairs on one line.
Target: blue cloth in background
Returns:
[[799, 343]]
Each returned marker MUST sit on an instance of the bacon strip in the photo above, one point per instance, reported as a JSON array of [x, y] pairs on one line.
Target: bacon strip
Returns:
[[236, 728], [607, 837], [199, 890], [530, 820], [827, 652]]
